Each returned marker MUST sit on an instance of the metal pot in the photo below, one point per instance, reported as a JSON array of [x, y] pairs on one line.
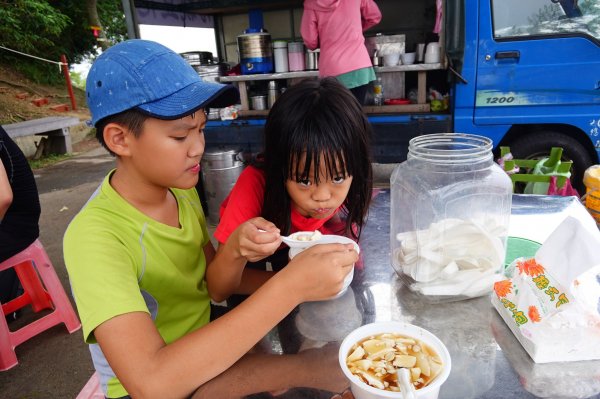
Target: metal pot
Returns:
[[258, 102], [220, 169], [256, 53], [312, 59]]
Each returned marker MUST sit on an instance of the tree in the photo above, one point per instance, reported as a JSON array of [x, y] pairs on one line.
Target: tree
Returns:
[[49, 28]]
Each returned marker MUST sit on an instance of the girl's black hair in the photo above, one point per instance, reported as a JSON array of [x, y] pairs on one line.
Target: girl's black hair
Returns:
[[314, 118]]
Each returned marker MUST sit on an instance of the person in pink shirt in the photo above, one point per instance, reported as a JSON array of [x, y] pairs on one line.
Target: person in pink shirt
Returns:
[[336, 28]]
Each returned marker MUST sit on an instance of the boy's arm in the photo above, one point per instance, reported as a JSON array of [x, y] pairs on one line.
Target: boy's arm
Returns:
[[226, 273], [260, 372], [148, 368]]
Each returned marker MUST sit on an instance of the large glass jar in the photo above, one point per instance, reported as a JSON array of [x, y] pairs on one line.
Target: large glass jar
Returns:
[[450, 209]]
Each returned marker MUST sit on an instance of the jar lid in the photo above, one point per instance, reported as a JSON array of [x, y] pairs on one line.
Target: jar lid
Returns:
[[280, 44], [296, 47]]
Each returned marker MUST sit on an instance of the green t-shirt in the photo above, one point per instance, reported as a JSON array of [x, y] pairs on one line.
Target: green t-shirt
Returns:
[[120, 261]]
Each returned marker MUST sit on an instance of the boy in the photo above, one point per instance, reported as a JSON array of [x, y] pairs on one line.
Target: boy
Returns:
[[140, 262]]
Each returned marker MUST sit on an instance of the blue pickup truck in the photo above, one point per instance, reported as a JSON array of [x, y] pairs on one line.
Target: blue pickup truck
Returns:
[[523, 73], [529, 75]]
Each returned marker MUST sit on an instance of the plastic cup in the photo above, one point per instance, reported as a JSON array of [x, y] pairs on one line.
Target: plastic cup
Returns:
[[361, 390], [330, 239]]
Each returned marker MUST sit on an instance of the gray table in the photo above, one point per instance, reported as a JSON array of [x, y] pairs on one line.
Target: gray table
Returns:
[[487, 360]]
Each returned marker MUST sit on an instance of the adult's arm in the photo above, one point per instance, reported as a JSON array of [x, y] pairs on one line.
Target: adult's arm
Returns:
[[309, 29], [6, 194], [149, 368], [370, 14]]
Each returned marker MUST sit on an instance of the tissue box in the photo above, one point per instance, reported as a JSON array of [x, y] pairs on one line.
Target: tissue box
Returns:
[[550, 302], [549, 380]]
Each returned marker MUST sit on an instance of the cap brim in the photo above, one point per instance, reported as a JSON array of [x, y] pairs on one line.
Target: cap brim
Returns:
[[192, 98]]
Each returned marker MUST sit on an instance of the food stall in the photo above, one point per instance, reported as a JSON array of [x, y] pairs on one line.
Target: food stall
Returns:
[[506, 70], [238, 29]]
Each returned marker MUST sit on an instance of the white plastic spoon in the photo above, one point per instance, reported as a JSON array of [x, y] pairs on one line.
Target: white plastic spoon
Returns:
[[300, 239], [407, 389]]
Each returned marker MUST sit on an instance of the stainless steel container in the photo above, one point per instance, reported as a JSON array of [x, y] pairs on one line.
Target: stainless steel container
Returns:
[[273, 93], [312, 59], [198, 57], [210, 72], [220, 170], [258, 103], [256, 53]]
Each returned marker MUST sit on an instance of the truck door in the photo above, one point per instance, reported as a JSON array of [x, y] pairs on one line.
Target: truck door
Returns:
[[537, 65]]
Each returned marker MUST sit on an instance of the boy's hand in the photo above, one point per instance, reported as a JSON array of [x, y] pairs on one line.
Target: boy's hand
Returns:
[[319, 271], [255, 239]]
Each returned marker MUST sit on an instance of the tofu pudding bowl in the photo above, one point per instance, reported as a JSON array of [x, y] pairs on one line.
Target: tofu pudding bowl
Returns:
[[372, 356], [306, 239]]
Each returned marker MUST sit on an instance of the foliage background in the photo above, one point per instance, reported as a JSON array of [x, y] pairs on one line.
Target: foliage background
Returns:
[[49, 28]]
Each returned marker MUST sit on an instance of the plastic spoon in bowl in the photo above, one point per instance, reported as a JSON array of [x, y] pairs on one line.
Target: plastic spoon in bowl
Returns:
[[407, 389], [302, 239]]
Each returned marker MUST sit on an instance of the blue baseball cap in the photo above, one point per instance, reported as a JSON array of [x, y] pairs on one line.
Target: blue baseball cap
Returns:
[[148, 76]]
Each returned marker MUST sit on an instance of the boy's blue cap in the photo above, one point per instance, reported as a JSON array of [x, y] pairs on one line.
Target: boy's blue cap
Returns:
[[149, 76]]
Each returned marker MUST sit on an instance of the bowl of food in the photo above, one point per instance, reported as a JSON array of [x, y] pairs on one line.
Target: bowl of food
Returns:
[[328, 239], [371, 356]]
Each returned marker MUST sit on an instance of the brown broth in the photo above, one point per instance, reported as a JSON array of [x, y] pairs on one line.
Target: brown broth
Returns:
[[424, 356]]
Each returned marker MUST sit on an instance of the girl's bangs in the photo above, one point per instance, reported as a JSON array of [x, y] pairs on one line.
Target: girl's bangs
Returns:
[[309, 153]]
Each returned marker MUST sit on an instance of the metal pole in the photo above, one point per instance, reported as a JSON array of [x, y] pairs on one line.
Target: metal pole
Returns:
[[65, 68], [132, 27]]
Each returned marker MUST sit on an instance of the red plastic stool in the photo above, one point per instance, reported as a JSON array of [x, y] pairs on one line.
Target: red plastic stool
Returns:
[[53, 296], [92, 389]]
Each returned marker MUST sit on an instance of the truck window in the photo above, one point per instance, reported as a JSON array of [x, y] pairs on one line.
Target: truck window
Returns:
[[518, 18]]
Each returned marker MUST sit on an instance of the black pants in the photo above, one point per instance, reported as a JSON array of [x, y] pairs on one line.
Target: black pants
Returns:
[[360, 92]]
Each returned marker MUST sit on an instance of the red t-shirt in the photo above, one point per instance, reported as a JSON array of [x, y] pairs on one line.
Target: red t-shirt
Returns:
[[246, 201]]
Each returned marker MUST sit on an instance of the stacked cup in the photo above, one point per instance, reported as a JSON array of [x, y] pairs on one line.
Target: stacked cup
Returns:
[[432, 53]]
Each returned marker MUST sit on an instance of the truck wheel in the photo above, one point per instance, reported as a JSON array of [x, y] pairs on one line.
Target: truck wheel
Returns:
[[537, 145]]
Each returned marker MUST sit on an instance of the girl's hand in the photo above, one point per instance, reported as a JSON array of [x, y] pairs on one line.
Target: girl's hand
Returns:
[[319, 271], [255, 239]]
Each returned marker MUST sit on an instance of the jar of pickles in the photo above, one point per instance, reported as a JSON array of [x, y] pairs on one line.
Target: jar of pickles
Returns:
[[450, 209]]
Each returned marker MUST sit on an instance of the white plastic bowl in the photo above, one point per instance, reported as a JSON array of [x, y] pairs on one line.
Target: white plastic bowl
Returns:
[[391, 59], [361, 390], [329, 239], [408, 58]]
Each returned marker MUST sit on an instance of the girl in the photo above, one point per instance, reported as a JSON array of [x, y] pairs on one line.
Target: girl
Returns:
[[315, 173]]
